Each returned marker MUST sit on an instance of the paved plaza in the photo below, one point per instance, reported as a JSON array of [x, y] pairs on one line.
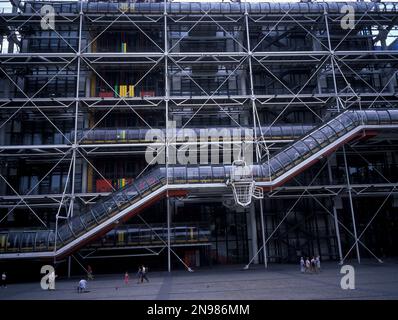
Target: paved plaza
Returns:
[[373, 281]]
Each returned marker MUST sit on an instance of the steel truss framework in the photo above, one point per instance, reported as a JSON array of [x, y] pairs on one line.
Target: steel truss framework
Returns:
[[338, 77]]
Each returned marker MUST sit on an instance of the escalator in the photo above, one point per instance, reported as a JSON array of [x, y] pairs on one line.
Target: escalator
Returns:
[[120, 136], [155, 184]]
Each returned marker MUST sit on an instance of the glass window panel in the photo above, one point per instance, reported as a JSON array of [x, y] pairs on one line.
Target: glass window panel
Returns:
[[142, 185], [76, 225], [346, 120], [218, 172], [88, 219], [393, 115], [283, 158], [311, 143], [328, 132], [64, 232], [13, 241], [384, 116], [302, 148], [110, 205], [99, 211], [3, 241], [193, 173], [180, 174], [371, 116], [337, 126], [275, 165], [28, 239], [319, 136], [41, 241], [152, 180], [205, 173], [293, 154]]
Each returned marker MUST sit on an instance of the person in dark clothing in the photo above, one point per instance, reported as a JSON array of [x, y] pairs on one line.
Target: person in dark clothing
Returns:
[[144, 272], [139, 274]]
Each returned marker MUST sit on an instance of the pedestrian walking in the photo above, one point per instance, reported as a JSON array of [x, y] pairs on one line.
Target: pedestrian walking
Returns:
[[144, 272], [90, 273], [126, 278], [318, 263], [4, 280], [82, 286], [302, 265], [139, 275], [313, 266], [307, 265]]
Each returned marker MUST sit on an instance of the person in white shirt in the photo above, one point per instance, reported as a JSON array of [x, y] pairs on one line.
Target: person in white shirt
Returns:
[[318, 263], [82, 285], [302, 265], [307, 265], [144, 272], [3, 280]]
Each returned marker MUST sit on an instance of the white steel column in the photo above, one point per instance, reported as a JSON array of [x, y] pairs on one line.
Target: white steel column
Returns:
[[253, 232], [166, 94], [351, 206], [336, 223], [253, 101], [331, 52], [75, 143], [74, 146]]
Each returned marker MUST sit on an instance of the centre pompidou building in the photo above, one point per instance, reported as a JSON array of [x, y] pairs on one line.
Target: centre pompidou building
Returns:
[[84, 84]]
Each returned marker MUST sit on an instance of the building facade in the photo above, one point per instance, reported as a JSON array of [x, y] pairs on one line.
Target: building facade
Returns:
[[86, 85]]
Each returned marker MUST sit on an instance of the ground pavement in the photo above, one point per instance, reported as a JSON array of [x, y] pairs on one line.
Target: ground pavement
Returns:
[[373, 281]]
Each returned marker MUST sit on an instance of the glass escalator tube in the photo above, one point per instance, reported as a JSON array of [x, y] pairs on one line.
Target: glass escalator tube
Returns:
[[64, 234], [218, 173], [311, 144], [27, 241], [384, 117], [337, 126], [41, 240], [89, 220], [329, 133], [205, 174], [256, 171], [142, 186], [99, 211], [303, 150], [3, 241], [193, 174], [132, 193], [152, 180], [162, 175], [320, 137], [287, 132], [393, 116], [110, 206], [347, 120], [294, 156], [371, 117], [264, 172], [14, 241], [227, 172], [285, 158], [121, 198], [77, 225], [180, 175], [51, 241], [276, 167]]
